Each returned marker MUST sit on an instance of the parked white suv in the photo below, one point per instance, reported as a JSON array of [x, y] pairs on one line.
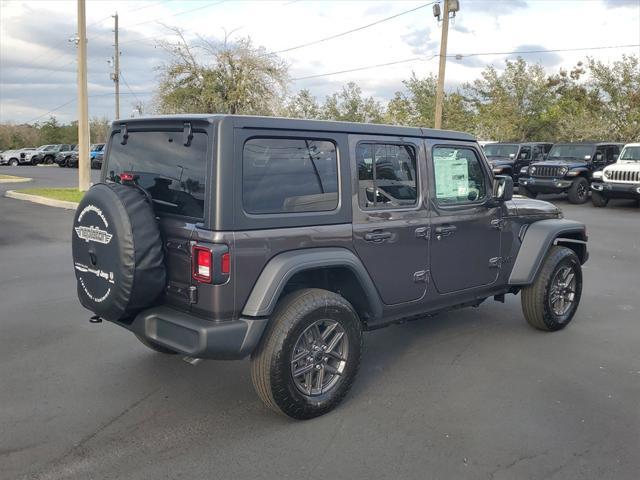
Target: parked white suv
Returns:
[[17, 157], [620, 179]]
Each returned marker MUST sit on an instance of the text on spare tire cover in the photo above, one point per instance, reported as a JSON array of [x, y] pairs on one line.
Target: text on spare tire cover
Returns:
[[94, 234]]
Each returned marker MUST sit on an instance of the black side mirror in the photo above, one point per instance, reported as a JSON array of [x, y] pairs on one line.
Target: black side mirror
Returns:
[[502, 188]]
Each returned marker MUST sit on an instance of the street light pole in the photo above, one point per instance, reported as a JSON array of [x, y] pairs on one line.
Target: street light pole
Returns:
[[84, 171]]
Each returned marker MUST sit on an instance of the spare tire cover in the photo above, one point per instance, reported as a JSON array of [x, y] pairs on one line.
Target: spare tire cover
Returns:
[[117, 251]]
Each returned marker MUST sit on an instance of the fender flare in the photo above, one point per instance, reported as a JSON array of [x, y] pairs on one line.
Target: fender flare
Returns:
[[282, 267], [538, 239]]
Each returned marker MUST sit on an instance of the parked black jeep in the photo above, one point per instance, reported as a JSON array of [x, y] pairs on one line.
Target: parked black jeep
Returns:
[[64, 157], [511, 158], [221, 237], [568, 168]]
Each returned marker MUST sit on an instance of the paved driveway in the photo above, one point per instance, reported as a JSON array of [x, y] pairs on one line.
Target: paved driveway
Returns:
[[474, 393]]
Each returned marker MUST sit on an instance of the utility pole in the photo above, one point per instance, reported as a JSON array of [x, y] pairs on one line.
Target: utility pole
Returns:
[[449, 6], [84, 171], [116, 67]]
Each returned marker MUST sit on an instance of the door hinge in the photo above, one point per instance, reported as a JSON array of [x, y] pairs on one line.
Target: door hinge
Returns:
[[423, 232], [498, 223], [495, 262], [421, 276]]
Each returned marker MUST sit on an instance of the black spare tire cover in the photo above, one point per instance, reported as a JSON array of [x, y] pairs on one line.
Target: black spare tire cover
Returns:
[[117, 251]]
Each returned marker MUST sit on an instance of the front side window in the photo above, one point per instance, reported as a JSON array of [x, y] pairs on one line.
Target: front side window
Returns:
[[174, 174], [386, 175], [286, 175], [458, 175]]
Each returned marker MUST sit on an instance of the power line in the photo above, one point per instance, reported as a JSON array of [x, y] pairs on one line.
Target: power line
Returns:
[[89, 96], [176, 14], [368, 67], [353, 30], [126, 84], [463, 55]]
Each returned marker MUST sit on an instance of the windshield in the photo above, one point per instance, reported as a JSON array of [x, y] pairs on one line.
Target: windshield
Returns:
[[498, 150], [172, 173], [631, 153], [570, 151]]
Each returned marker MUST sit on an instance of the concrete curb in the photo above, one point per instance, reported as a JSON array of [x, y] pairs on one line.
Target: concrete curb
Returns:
[[50, 202], [15, 180]]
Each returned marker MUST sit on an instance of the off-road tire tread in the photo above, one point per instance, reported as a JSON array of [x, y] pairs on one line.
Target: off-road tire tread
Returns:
[[526, 192], [533, 297], [599, 200], [284, 319], [573, 191]]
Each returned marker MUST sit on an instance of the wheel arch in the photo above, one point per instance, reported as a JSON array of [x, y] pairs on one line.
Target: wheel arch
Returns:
[[539, 238], [335, 269]]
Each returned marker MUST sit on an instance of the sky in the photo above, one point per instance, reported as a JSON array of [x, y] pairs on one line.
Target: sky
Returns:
[[38, 58]]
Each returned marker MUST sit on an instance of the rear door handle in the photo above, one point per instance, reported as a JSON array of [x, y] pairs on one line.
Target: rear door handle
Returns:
[[377, 236], [445, 230]]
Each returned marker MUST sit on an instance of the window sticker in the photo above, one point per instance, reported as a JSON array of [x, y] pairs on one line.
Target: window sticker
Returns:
[[452, 176]]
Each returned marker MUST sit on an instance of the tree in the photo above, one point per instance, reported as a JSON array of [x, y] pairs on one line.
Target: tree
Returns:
[[302, 105], [349, 105], [618, 89], [511, 105], [99, 128], [221, 77]]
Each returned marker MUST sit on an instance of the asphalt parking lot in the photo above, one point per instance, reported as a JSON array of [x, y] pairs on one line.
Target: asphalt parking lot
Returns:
[[473, 394]]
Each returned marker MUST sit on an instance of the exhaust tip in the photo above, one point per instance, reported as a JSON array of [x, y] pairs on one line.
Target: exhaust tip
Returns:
[[192, 361]]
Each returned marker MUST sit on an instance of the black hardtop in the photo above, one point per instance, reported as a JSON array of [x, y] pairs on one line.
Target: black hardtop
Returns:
[[520, 143], [592, 143], [280, 123]]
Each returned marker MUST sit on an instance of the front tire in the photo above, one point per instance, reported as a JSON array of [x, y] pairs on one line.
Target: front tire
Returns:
[[579, 191], [599, 200], [309, 355], [526, 192], [14, 163], [551, 301]]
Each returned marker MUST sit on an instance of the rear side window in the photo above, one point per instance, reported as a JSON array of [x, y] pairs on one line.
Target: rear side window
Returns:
[[172, 173], [386, 175], [459, 176], [286, 175]]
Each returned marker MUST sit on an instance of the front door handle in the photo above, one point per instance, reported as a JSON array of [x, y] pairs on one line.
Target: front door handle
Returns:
[[377, 236], [445, 231]]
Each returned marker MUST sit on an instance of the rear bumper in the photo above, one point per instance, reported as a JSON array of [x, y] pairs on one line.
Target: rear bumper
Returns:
[[617, 190], [545, 185], [196, 337]]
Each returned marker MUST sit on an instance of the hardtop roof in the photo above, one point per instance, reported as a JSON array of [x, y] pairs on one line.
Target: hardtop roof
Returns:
[[248, 121]]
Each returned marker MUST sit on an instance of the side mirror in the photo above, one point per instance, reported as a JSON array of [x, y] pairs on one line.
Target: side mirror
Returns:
[[502, 188]]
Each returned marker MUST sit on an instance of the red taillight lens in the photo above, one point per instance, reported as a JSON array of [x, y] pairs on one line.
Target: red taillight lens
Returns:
[[225, 263], [202, 260]]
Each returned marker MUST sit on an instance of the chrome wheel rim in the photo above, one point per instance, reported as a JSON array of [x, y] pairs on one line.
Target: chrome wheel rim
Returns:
[[562, 293], [319, 357], [582, 190]]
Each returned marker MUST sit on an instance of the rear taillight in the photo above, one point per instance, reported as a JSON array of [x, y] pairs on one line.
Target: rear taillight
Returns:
[[211, 264], [202, 263]]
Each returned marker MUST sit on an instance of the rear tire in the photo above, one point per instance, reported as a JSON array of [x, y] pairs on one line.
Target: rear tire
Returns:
[[579, 191], [599, 200], [526, 192], [314, 332], [548, 304], [155, 346]]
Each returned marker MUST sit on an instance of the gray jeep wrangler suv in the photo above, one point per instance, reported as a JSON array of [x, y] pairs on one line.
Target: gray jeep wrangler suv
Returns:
[[222, 237]]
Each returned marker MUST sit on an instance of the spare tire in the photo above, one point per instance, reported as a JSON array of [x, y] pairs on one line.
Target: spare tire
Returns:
[[117, 251]]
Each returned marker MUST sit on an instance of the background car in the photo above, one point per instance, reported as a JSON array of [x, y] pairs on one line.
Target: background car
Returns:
[[96, 158], [62, 158], [17, 157], [47, 153], [510, 158]]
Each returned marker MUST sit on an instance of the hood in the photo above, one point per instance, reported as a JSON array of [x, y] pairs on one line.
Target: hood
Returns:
[[624, 166], [523, 206], [569, 162], [501, 160]]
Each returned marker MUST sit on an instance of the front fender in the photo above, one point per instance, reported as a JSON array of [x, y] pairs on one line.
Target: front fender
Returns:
[[282, 267], [538, 239]]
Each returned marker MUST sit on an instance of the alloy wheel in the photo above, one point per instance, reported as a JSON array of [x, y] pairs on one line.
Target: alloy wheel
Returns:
[[563, 291]]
